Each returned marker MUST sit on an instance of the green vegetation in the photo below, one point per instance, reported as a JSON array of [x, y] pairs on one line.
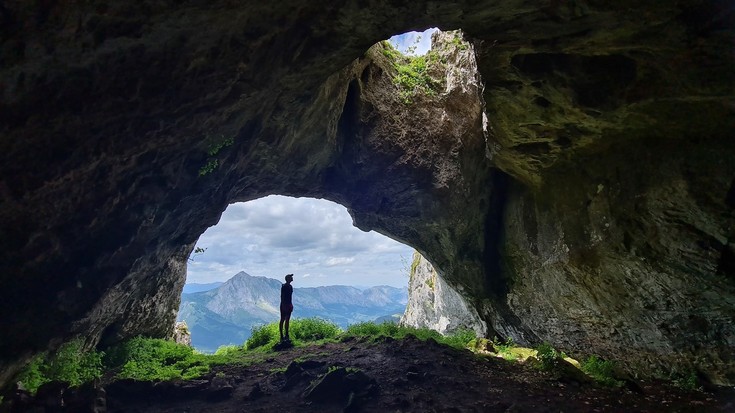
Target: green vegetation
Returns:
[[459, 340], [148, 359], [601, 371], [548, 356], [214, 147], [301, 331], [210, 166], [413, 72], [686, 380], [69, 364], [430, 281], [458, 42], [155, 359]]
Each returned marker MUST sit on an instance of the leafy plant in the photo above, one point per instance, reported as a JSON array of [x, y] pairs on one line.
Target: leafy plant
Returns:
[[412, 73], [70, 364], [601, 370], [155, 359], [301, 330], [214, 147], [548, 356], [687, 380], [459, 339], [209, 167]]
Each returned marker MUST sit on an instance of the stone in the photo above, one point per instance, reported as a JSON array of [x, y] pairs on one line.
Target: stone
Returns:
[[575, 189], [219, 389], [340, 385], [182, 335], [434, 304]]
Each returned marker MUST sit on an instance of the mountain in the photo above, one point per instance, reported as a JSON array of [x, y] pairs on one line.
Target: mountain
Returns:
[[196, 288], [227, 314]]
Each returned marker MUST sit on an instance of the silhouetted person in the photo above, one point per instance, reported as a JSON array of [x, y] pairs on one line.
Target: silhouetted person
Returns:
[[286, 306]]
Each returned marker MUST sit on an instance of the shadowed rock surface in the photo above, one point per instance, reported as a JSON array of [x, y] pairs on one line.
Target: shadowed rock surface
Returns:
[[434, 304], [593, 209]]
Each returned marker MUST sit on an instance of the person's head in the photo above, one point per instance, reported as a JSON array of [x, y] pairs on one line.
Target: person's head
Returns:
[[289, 278]]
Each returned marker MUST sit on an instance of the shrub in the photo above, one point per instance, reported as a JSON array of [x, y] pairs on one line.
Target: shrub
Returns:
[[370, 329], [301, 330], [313, 329], [548, 356], [412, 73], [151, 359], [70, 364], [687, 380], [460, 338], [600, 370], [262, 336]]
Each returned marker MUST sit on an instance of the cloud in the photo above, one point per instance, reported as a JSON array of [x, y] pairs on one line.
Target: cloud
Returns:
[[420, 41], [331, 262], [276, 235]]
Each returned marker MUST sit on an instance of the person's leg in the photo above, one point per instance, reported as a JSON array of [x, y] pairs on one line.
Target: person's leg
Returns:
[[280, 326], [288, 318]]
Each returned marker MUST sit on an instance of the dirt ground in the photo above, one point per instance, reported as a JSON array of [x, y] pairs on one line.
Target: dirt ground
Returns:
[[399, 376]]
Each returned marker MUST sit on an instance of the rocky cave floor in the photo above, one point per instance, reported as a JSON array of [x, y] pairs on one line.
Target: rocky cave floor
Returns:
[[397, 376]]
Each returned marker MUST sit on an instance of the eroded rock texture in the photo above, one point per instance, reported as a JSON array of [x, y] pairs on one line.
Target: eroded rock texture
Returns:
[[594, 211], [434, 304]]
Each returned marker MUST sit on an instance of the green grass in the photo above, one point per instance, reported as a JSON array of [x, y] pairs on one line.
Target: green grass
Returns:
[[148, 359], [301, 331], [460, 339], [155, 359]]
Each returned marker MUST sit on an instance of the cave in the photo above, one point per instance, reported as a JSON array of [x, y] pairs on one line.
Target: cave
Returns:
[[574, 180]]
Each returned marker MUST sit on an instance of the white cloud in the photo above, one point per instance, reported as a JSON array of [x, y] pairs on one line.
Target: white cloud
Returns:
[[419, 41], [277, 235], [331, 262]]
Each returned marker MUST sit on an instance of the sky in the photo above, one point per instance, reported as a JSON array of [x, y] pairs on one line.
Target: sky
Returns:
[[312, 238], [403, 41]]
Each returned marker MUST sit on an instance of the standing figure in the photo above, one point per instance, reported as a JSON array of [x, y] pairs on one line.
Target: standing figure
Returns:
[[286, 307]]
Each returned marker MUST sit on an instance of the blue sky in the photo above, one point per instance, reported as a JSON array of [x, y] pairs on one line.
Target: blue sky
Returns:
[[313, 239], [403, 41]]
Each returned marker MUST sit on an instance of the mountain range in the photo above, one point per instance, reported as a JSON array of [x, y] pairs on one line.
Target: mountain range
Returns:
[[227, 313]]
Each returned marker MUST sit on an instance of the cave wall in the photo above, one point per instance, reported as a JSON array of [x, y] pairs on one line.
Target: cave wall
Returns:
[[116, 121], [434, 304]]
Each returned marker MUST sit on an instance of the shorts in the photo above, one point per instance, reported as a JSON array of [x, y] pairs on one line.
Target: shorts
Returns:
[[286, 310]]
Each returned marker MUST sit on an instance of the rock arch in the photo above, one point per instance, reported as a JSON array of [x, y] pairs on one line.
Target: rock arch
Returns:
[[112, 117]]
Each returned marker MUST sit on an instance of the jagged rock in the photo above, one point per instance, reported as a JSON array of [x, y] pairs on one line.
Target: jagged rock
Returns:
[[434, 304], [340, 385], [220, 389], [182, 335], [579, 191]]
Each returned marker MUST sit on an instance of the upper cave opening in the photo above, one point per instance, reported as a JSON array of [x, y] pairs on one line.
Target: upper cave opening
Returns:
[[413, 43]]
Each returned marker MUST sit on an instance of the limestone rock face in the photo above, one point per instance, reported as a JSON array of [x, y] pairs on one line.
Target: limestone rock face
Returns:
[[436, 305], [181, 334], [590, 205]]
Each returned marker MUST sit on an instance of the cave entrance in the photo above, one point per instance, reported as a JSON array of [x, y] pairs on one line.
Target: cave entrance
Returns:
[[341, 273]]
